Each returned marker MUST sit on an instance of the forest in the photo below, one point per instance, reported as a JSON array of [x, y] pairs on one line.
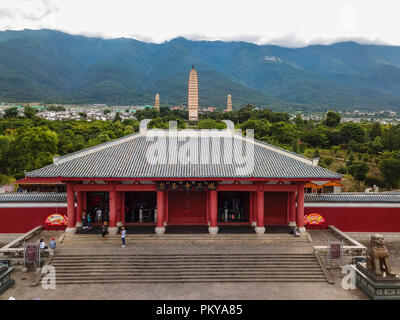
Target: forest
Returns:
[[365, 153]]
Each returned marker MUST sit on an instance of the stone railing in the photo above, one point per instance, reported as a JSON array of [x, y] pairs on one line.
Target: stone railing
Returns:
[[14, 251], [10, 247], [352, 249]]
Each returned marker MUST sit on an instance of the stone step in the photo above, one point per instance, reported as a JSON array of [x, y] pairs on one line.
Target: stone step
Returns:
[[172, 263], [196, 256], [188, 280], [190, 276], [186, 263], [130, 268], [161, 259], [184, 235], [172, 272]]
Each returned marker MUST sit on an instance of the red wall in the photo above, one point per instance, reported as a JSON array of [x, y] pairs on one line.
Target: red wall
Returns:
[[360, 219], [187, 207], [21, 220], [191, 209], [275, 208]]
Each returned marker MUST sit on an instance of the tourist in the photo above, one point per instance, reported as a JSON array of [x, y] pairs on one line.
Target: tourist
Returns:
[[99, 214], [89, 221], [84, 222], [42, 244], [123, 234], [104, 230], [296, 232], [52, 243]]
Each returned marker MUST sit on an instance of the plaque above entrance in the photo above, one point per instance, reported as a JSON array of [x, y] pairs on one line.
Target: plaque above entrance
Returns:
[[187, 185]]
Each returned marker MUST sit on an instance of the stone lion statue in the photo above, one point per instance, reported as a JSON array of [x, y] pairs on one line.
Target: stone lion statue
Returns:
[[378, 256]]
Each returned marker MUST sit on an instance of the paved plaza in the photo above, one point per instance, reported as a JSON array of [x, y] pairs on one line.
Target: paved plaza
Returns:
[[206, 290]]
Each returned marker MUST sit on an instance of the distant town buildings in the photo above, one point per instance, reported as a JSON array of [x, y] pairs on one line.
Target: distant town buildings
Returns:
[[193, 96], [157, 102]]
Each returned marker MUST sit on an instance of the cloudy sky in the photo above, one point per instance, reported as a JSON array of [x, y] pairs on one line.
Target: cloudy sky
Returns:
[[290, 23]]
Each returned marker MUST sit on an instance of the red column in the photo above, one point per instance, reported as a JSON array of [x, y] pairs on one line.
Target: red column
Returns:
[[208, 207], [123, 207], [300, 207], [165, 207], [119, 209], [70, 209], [79, 209], [84, 193], [260, 210], [160, 229], [254, 197], [292, 203], [113, 229], [121, 212], [251, 206], [213, 200]]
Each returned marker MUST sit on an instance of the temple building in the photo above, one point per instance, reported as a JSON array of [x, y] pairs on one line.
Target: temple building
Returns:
[[157, 102], [229, 104], [185, 177], [193, 95]]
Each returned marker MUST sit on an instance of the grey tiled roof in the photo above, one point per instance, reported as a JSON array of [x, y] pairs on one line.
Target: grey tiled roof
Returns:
[[126, 158], [390, 197], [33, 197]]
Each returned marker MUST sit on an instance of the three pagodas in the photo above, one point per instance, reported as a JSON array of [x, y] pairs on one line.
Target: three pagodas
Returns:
[[193, 97]]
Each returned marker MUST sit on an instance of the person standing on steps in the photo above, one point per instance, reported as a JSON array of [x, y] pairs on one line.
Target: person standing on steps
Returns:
[[89, 221], [123, 234], [84, 222], [104, 230]]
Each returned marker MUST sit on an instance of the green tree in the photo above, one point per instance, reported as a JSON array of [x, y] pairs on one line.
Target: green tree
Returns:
[[11, 113], [29, 112], [332, 119], [358, 170], [352, 131], [389, 166], [375, 131], [83, 115]]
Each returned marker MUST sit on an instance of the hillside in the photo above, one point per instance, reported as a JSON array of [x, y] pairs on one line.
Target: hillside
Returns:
[[51, 66]]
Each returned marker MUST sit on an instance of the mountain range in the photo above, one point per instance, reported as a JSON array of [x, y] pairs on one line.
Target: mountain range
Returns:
[[51, 66]]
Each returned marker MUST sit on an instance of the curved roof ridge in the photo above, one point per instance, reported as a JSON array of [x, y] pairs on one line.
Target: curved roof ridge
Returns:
[[96, 148], [280, 150]]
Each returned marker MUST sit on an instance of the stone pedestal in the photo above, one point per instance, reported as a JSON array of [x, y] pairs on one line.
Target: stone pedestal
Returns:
[[113, 230], [160, 230], [254, 224], [78, 224], [5, 279], [377, 287], [70, 230], [302, 229], [119, 224], [213, 230], [292, 223], [260, 230]]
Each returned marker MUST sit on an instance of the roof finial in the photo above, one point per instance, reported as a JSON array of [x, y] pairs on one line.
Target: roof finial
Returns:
[[193, 66]]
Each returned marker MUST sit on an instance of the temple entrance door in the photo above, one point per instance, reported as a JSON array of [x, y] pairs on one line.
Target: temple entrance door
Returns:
[[234, 206], [275, 204], [139, 206], [187, 207]]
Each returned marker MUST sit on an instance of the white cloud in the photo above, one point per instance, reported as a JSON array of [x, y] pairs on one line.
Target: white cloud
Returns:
[[284, 22]]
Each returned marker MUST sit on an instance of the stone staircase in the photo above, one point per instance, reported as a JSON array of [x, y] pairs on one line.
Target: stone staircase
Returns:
[[77, 239], [176, 268]]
